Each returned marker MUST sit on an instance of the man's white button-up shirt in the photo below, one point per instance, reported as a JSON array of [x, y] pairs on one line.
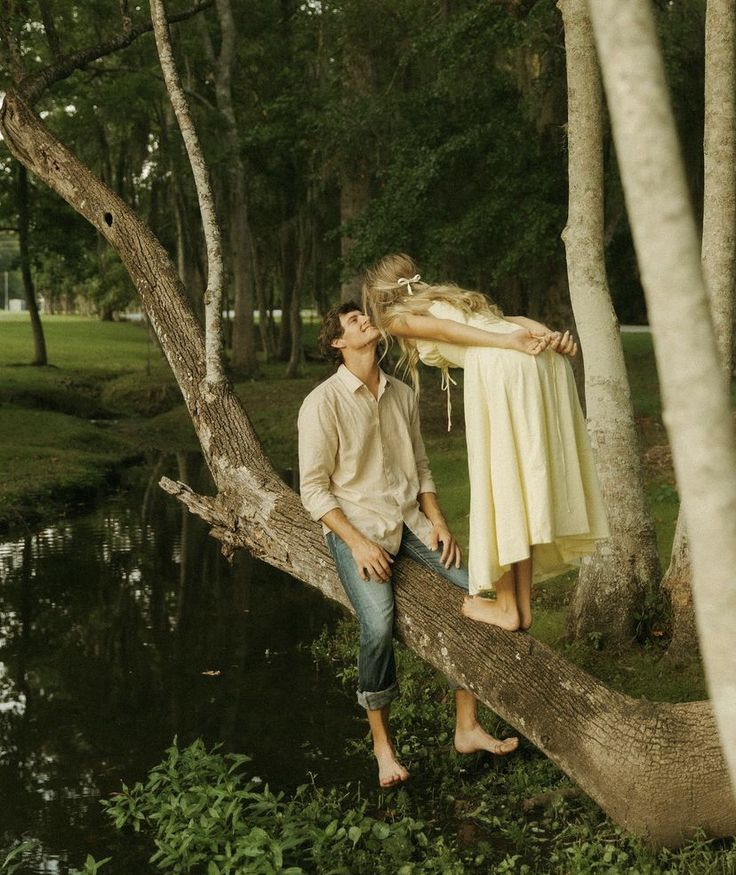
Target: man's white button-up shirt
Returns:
[[365, 455]]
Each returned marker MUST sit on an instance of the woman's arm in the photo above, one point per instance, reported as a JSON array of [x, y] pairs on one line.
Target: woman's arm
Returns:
[[449, 331], [533, 326]]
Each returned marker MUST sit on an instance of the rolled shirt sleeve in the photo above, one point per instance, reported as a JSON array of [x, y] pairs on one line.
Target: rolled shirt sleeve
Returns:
[[318, 443]]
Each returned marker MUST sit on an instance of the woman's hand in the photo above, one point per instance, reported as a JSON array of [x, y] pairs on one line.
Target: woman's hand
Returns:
[[564, 344], [524, 341]]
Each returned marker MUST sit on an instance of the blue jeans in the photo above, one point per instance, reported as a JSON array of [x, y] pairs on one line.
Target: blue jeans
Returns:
[[373, 602]]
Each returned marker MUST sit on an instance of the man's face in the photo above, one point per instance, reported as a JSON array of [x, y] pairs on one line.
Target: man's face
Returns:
[[357, 331]]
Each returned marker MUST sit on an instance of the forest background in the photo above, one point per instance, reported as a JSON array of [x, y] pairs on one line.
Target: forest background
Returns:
[[433, 128]]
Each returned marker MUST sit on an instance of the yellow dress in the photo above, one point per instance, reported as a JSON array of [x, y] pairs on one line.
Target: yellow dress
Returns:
[[533, 485]]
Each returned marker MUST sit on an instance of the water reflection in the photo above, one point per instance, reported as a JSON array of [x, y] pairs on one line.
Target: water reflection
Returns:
[[126, 627]]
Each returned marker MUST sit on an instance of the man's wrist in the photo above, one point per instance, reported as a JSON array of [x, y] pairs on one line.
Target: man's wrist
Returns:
[[354, 540]]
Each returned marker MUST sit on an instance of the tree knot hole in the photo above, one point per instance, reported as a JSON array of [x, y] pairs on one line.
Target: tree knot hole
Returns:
[[108, 220]]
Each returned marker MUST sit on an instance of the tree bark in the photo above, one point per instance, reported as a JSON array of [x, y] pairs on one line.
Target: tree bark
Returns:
[[215, 270], [718, 255], [241, 247], [613, 582], [696, 403], [655, 768], [719, 153], [39, 341], [677, 583]]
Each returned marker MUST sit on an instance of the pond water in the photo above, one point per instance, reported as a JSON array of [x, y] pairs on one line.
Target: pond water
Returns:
[[125, 627]]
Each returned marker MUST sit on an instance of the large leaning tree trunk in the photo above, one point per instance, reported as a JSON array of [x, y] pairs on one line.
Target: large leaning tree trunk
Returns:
[[718, 255], [613, 582], [655, 768], [696, 403]]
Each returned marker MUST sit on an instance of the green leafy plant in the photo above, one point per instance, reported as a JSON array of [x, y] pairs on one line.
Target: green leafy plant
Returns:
[[206, 815]]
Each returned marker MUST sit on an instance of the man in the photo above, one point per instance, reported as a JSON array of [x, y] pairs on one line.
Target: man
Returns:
[[365, 476]]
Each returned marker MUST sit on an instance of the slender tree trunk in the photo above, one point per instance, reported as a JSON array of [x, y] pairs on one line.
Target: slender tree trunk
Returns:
[[215, 271], [655, 768], [39, 341], [188, 233], [677, 583], [612, 583], [287, 290], [241, 247], [718, 255], [355, 195], [265, 326], [719, 152], [695, 399], [355, 184], [244, 330], [296, 358]]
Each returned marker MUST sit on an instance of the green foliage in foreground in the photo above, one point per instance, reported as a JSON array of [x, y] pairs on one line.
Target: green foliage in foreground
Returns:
[[204, 814], [204, 811]]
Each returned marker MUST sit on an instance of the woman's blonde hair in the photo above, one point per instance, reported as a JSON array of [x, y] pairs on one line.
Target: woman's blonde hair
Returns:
[[385, 300]]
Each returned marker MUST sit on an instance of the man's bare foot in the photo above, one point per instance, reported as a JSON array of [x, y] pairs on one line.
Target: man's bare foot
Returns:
[[390, 770], [490, 611], [476, 738]]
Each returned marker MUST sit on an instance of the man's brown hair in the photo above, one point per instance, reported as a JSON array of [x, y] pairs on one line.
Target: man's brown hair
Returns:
[[331, 329]]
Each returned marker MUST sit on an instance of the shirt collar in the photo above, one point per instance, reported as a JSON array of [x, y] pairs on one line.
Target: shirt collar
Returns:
[[354, 383]]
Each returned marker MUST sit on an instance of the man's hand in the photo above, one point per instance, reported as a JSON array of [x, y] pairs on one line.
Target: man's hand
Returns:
[[372, 560], [451, 553]]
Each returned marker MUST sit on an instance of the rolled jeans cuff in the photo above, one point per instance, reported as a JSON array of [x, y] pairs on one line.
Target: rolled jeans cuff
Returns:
[[376, 701]]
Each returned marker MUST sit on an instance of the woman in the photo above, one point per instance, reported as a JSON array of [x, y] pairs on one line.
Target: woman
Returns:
[[535, 503]]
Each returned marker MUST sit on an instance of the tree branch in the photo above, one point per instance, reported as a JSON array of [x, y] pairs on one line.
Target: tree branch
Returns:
[[36, 83]]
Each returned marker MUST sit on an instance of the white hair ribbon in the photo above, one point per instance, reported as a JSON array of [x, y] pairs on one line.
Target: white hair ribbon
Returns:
[[403, 281]]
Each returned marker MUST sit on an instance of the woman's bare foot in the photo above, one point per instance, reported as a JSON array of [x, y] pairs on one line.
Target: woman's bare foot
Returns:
[[525, 619], [492, 612], [476, 738], [390, 770]]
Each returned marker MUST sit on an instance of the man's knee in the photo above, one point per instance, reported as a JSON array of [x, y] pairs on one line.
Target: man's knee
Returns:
[[377, 630]]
